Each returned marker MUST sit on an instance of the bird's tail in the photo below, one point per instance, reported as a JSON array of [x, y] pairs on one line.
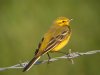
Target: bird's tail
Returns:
[[31, 63]]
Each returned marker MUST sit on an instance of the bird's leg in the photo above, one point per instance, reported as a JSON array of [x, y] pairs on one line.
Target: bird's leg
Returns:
[[48, 58], [69, 54]]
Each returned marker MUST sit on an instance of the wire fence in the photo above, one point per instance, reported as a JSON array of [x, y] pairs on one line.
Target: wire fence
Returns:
[[70, 56]]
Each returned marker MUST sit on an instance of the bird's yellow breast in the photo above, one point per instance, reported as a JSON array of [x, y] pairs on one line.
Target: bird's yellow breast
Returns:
[[62, 44]]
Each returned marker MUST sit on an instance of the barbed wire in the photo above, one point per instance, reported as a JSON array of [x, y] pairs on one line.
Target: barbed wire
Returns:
[[70, 56]]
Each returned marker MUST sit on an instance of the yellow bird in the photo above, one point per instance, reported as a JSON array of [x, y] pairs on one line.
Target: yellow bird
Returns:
[[55, 39]]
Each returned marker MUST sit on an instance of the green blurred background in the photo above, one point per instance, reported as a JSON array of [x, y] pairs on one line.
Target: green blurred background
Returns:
[[23, 23]]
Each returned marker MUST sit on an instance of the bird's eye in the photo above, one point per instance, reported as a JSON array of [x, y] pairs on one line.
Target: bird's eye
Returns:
[[63, 21]]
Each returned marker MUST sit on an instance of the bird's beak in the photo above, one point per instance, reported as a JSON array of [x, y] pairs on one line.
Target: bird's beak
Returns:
[[71, 19]]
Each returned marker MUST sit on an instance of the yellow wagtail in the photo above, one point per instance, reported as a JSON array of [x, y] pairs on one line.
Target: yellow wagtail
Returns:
[[55, 39]]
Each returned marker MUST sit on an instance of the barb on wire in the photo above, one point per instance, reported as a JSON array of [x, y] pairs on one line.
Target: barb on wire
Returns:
[[67, 56]]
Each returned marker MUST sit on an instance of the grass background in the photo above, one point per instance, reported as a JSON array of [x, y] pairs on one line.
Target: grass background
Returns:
[[23, 23]]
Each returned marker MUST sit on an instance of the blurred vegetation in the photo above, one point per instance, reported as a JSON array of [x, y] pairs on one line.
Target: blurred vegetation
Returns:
[[23, 23]]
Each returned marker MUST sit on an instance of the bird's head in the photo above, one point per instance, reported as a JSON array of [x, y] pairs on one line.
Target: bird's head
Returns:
[[62, 21]]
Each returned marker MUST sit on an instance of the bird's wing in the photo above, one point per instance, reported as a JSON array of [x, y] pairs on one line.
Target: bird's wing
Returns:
[[51, 41], [56, 40]]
